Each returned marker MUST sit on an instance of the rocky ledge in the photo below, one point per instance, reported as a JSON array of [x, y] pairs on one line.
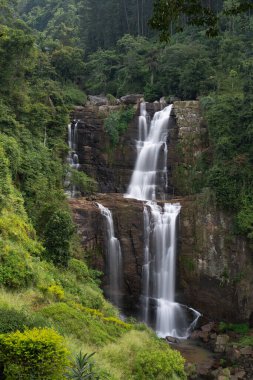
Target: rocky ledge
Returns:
[[214, 271]]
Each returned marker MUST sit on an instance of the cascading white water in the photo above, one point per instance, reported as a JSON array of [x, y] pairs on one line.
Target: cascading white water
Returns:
[[73, 159], [114, 258], [149, 146], [159, 268]]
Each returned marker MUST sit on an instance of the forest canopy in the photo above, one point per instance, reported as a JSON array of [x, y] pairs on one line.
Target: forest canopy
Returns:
[[169, 15]]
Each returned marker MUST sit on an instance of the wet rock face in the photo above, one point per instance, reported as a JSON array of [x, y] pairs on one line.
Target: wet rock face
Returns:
[[112, 168], [215, 268], [128, 225]]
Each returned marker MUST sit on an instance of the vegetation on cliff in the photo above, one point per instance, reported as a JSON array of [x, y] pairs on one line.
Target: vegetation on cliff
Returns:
[[51, 54], [51, 306]]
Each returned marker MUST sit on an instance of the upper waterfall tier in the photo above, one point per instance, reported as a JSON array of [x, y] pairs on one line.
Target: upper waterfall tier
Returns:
[[151, 143]]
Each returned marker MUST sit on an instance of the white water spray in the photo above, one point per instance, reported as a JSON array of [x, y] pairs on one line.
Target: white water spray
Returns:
[[73, 159], [114, 257], [159, 268], [150, 146]]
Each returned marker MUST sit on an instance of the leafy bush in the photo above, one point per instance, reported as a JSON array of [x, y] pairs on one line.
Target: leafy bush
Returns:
[[12, 320], [74, 96], [116, 124], [80, 269], [58, 232], [87, 326], [36, 353], [15, 269], [244, 217], [84, 183], [111, 99], [5, 178], [126, 358], [56, 292], [158, 365]]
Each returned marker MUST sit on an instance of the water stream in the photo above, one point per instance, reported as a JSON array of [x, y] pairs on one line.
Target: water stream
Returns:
[[113, 259], [159, 268], [150, 147], [72, 159]]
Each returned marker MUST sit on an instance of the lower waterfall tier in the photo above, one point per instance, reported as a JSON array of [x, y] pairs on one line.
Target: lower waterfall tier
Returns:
[[214, 268]]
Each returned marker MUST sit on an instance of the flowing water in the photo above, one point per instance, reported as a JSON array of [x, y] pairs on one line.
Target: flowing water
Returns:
[[113, 259], [150, 147], [159, 268], [73, 159]]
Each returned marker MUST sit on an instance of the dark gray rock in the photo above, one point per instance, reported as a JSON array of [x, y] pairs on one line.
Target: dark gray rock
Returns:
[[131, 99], [98, 100]]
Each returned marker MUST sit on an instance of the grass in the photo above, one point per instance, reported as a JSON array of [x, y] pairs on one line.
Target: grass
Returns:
[[70, 302]]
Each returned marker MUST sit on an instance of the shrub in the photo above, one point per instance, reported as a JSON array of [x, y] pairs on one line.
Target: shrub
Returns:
[[58, 232], [36, 353], [158, 365], [87, 326], [111, 99], [15, 270], [12, 320], [74, 96], [55, 292], [91, 297], [116, 124], [85, 184], [80, 269]]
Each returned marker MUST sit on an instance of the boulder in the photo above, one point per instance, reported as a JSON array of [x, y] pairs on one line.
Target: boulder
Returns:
[[221, 343], [246, 350], [131, 99], [98, 100], [171, 339], [208, 327], [240, 374], [233, 354]]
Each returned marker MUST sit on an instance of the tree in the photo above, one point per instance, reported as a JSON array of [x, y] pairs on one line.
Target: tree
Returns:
[[68, 62], [179, 13], [58, 232]]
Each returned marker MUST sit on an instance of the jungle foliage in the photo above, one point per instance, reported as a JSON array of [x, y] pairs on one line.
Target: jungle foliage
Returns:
[[52, 53]]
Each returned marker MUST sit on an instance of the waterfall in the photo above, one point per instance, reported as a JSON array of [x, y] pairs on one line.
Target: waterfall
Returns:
[[159, 266], [150, 146], [113, 258], [72, 159]]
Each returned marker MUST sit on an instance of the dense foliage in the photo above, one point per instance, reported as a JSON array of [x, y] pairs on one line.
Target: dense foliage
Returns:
[[36, 353], [176, 14], [116, 124], [52, 53]]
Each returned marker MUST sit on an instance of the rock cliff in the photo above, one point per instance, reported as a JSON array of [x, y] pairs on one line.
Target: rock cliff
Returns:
[[215, 269]]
